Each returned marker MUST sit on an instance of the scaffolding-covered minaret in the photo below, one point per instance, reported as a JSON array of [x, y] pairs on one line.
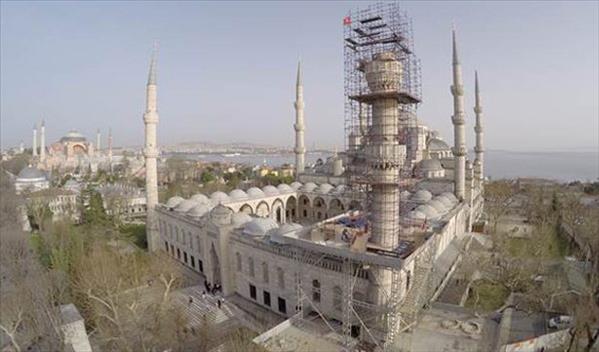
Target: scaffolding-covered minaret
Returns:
[[459, 137]]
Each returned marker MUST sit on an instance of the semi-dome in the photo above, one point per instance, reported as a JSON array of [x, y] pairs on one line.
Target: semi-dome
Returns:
[[270, 190], [438, 205], [296, 185], [416, 215], [450, 196], [200, 198], [240, 218], [421, 196], [435, 144], [174, 201], [219, 197], [185, 206], [309, 187], [324, 188], [238, 194], [284, 188], [31, 173], [428, 165], [259, 226], [446, 201], [255, 192], [427, 210], [288, 227], [73, 136], [199, 210]]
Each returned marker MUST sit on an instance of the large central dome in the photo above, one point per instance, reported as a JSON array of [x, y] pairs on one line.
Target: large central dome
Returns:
[[73, 136]]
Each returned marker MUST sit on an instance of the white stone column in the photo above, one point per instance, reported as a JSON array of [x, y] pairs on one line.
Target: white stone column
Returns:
[[459, 149], [43, 141], [300, 149], [34, 142], [478, 129], [151, 153]]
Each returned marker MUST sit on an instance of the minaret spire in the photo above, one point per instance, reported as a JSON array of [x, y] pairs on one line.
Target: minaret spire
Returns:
[[43, 141], [151, 153], [459, 149], [300, 149], [98, 140], [478, 129], [34, 142]]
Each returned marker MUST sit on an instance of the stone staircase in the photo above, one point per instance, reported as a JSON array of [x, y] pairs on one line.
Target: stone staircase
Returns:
[[203, 309]]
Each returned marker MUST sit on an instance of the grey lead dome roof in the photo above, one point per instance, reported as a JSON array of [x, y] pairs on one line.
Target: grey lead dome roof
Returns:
[[437, 144], [73, 136], [430, 165], [31, 172]]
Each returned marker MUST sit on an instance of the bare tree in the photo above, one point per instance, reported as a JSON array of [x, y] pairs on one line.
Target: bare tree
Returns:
[[499, 196]]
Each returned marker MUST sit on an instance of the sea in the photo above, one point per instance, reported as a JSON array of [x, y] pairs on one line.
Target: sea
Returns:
[[564, 166]]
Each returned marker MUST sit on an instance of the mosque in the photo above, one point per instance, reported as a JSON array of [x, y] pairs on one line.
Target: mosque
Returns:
[[360, 243], [71, 151]]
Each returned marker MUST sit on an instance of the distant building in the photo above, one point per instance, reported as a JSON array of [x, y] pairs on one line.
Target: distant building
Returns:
[[62, 203], [31, 179], [124, 200]]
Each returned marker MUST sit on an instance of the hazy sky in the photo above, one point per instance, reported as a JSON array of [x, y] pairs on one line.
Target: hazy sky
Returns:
[[227, 70]]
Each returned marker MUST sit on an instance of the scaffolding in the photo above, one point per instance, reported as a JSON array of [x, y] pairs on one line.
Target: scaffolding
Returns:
[[382, 93]]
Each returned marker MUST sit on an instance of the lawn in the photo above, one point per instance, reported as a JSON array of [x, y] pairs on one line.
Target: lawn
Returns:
[[491, 296]]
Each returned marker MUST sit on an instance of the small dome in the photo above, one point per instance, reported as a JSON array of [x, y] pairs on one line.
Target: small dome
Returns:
[[31, 172], [185, 206], [270, 190], [438, 205], [221, 215], [199, 210], [416, 215], [437, 144], [238, 194], [429, 165], [296, 185], [259, 226], [340, 189], [174, 201], [288, 227], [219, 197], [427, 210], [421, 196], [255, 192], [285, 188], [309, 187], [200, 198], [324, 188], [404, 195], [240, 218]]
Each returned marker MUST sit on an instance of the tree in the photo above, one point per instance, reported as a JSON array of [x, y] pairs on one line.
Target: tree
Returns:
[[499, 196], [207, 177], [38, 209], [29, 315], [128, 299]]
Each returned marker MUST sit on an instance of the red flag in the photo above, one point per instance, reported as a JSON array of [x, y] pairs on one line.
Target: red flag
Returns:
[[346, 21]]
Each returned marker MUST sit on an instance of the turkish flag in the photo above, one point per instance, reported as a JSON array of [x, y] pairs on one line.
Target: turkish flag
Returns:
[[346, 21]]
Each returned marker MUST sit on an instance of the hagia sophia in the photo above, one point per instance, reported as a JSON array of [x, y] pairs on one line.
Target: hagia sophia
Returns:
[[360, 243]]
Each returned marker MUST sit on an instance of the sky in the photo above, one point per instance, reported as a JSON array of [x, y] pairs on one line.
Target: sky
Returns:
[[226, 70]]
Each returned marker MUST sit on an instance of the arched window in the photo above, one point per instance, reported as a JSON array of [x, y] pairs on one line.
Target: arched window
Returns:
[[316, 290], [265, 272], [251, 266], [337, 298], [239, 264], [281, 278]]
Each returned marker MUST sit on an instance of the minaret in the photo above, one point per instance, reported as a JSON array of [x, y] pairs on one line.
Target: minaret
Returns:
[[110, 149], [300, 149], [478, 129], [21, 147], [459, 137], [98, 139], [151, 153], [43, 141], [34, 142]]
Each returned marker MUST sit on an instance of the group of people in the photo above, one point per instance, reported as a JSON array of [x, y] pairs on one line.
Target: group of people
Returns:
[[212, 289]]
